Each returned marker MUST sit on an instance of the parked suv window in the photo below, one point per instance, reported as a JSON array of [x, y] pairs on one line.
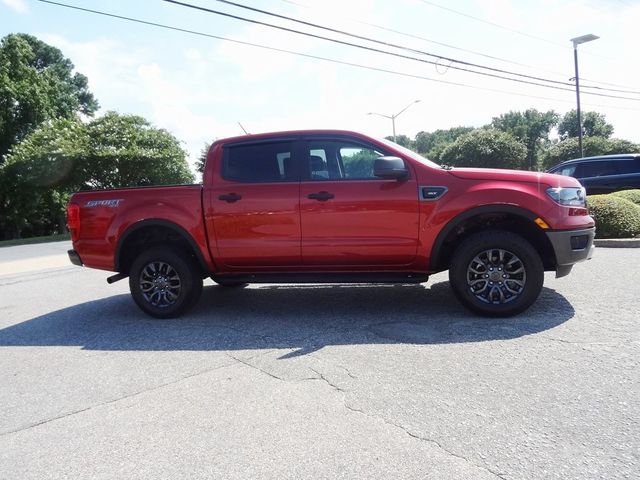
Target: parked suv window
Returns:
[[259, 163], [628, 166], [568, 171], [336, 160], [597, 169]]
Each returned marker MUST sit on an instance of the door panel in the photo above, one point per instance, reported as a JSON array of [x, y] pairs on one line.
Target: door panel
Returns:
[[348, 216], [254, 207], [365, 223]]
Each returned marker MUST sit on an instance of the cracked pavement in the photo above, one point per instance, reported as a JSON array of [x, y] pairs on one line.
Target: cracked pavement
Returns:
[[318, 381]]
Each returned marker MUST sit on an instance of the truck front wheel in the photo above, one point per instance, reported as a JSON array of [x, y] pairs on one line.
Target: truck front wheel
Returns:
[[164, 283], [496, 273]]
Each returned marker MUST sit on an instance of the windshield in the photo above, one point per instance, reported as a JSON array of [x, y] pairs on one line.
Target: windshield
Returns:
[[410, 153]]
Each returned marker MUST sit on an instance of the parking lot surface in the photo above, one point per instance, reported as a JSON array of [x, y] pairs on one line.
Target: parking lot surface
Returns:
[[317, 381]]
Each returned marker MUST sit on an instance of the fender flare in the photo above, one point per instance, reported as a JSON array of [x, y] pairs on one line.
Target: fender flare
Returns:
[[158, 223], [438, 245]]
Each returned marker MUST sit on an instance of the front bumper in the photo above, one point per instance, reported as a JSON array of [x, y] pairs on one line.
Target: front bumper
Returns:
[[74, 257], [571, 247]]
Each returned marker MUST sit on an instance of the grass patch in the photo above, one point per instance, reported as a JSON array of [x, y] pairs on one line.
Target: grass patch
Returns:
[[28, 241]]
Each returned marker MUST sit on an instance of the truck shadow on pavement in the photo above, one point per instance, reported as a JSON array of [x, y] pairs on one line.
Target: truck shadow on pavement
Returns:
[[304, 318]]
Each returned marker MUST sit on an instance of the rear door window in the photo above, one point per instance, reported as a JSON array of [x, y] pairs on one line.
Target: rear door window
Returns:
[[598, 168], [259, 163], [628, 166]]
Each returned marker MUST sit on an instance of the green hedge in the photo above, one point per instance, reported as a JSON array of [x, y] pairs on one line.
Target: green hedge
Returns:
[[631, 195], [615, 217]]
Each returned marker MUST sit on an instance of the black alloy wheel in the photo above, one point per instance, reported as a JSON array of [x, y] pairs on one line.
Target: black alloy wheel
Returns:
[[496, 273], [164, 283]]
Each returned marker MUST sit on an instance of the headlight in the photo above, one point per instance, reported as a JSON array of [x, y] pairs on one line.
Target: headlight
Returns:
[[570, 197]]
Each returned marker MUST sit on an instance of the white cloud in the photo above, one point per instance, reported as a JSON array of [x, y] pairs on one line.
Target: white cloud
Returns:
[[502, 12], [200, 89], [19, 6], [131, 81]]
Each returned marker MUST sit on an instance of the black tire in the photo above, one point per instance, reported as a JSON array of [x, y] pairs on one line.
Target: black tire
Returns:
[[496, 273], [164, 283]]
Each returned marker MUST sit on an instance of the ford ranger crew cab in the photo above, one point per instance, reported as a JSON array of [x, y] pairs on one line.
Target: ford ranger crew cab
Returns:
[[334, 206]]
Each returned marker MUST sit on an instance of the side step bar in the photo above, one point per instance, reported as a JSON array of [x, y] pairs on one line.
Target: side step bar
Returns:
[[348, 277]]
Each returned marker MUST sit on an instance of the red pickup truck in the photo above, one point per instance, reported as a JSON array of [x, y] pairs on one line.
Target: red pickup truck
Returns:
[[334, 206]]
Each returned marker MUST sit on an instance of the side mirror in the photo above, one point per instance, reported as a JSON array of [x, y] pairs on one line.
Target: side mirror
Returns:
[[390, 167]]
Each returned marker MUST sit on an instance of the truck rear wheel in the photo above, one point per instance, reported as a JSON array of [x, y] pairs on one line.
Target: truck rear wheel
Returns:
[[496, 273], [164, 283]]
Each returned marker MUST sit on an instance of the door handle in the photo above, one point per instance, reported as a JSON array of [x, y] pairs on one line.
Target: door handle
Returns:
[[320, 196], [230, 197]]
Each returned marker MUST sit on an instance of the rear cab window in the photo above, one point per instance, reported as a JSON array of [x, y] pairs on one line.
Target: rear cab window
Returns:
[[262, 162]]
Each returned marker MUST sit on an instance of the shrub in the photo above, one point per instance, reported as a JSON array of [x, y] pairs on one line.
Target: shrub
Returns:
[[631, 195], [485, 148], [615, 217]]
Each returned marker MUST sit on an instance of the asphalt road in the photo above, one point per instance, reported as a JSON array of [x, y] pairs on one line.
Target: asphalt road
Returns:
[[317, 381]]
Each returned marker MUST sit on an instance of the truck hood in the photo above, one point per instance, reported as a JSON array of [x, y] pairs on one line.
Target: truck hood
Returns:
[[514, 176]]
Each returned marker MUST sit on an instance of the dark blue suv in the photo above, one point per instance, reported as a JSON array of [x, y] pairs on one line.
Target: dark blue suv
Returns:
[[604, 174]]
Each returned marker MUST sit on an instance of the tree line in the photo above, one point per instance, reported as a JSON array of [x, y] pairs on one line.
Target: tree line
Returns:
[[520, 140], [53, 144]]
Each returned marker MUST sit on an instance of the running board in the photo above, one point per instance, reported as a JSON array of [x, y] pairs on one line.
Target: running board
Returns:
[[349, 277]]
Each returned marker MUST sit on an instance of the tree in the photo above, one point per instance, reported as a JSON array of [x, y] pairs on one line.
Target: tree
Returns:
[[202, 158], [401, 140], [568, 149], [360, 164], [485, 147], [63, 156], [432, 144], [531, 127], [37, 83], [31, 200], [594, 124], [126, 150]]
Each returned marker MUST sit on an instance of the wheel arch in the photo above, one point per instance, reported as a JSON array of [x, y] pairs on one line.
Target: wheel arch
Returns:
[[151, 232], [507, 217]]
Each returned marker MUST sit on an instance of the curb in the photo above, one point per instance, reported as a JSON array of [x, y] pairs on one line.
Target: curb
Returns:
[[617, 242]]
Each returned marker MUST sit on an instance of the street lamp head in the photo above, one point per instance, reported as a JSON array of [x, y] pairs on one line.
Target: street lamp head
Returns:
[[583, 39]]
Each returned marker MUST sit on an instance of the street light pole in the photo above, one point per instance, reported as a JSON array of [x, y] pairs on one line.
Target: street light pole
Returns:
[[393, 117], [577, 41]]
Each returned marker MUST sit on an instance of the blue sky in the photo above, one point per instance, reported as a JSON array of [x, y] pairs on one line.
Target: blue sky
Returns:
[[200, 88]]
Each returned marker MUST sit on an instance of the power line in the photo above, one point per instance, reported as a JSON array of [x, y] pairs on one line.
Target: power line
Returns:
[[368, 39], [424, 39], [316, 57], [342, 32], [461, 62], [466, 50], [503, 27], [419, 37], [406, 57], [493, 24], [509, 29]]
